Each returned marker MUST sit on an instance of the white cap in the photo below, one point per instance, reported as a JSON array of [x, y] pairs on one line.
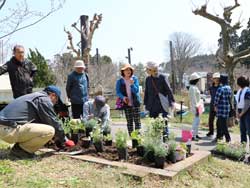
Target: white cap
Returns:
[[216, 75], [194, 76], [79, 63]]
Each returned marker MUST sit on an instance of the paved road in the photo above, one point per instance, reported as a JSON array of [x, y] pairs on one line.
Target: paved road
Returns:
[[204, 144]]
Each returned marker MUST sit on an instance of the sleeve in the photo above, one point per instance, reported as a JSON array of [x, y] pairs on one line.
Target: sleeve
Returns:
[[48, 116], [135, 86], [3, 68], [68, 86], [106, 116], [118, 90], [86, 111], [33, 69], [246, 102], [169, 91], [193, 100], [145, 100], [217, 97]]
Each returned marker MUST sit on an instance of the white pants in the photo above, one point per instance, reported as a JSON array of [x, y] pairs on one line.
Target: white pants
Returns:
[[30, 136], [195, 125]]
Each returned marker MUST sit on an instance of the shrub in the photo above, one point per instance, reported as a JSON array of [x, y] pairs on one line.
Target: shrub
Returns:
[[160, 150], [97, 136], [121, 138]]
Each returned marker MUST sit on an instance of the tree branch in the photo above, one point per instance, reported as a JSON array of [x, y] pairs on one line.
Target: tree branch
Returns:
[[2, 4], [71, 47]]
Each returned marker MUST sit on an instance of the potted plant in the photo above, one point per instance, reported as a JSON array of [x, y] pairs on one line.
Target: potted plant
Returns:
[[76, 125], [160, 152], [97, 139], [135, 137], [106, 130], [148, 145], [90, 125], [180, 152], [121, 138], [108, 140], [172, 145], [85, 142]]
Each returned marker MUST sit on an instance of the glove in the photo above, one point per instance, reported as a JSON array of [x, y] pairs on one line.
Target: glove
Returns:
[[69, 143]]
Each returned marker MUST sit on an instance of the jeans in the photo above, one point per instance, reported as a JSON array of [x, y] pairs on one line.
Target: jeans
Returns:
[[195, 126], [245, 127], [211, 118], [222, 129]]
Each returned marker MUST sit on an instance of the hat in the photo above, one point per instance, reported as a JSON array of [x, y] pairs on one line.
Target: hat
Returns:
[[194, 76], [151, 65], [100, 101], [79, 64], [54, 89], [126, 66], [216, 75]]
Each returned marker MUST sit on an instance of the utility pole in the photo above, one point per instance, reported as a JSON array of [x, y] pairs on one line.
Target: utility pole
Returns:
[[172, 66], [129, 55]]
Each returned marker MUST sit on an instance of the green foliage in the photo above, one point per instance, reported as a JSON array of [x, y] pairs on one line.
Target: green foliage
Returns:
[[91, 124], [108, 137], [160, 150], [232, 150], [172, 145], [121, 138], [97, 136], [44, 75], [5, 168], [76, 125]]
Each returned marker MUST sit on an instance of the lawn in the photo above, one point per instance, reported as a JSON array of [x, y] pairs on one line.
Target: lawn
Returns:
[[61, 171]]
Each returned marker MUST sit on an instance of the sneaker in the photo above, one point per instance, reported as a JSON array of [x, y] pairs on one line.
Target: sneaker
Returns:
[[18, 152], [209, 134], [195, 139], [198, 137]]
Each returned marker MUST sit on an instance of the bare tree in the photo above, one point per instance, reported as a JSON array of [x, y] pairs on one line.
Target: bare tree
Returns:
[[21, 16], [185, 46], [227, 57], [86, 33]]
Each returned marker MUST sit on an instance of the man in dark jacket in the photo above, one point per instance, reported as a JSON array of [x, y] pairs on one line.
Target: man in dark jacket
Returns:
[[30, 122], [21, 72]]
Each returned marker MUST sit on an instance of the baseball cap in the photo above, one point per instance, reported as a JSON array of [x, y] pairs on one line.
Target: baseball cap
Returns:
[[54, 89]]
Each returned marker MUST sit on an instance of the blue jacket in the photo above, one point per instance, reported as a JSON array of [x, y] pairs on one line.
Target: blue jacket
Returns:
[[121, 90], [77, 87]]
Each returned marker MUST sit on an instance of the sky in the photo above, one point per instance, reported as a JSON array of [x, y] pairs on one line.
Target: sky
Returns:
[[144, 25]]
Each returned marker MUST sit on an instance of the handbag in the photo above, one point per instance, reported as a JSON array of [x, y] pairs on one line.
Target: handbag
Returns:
[[119, 105], [163, 99]]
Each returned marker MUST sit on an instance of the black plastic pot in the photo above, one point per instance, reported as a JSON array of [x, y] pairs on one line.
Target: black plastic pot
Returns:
[[108, 142], [171, 157], [140, 151], [98, 146], [150, 156], [159, 162], [122, 153], [75, 137], [85, 142], [134, 143], [88, 131]]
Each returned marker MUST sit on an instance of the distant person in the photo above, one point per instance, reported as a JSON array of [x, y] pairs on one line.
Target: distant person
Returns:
[[195, 104], [98, 109], [21, 72], [222, 108], [77, 88], [243, 108], [127, 89], [212, 91], [30, 122], [155, 83]]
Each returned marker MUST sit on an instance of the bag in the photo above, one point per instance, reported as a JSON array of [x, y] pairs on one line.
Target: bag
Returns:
[[164, 102], [119, 105]]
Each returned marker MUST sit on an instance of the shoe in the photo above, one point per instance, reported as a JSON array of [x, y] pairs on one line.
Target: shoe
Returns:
[[198, 137], [195, 139], [20, 153], [209, 134]]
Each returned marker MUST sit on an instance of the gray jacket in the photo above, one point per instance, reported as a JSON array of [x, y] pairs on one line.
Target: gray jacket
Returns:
[[36, 107]]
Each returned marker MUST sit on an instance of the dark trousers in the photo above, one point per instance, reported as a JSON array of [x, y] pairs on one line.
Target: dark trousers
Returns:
[[222, 129], [211, 118], [77, 110], [244, 127], [164, 114], [133, 115]]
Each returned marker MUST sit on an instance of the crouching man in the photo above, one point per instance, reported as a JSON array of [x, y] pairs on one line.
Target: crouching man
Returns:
[[30, 122], [98, 109]]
